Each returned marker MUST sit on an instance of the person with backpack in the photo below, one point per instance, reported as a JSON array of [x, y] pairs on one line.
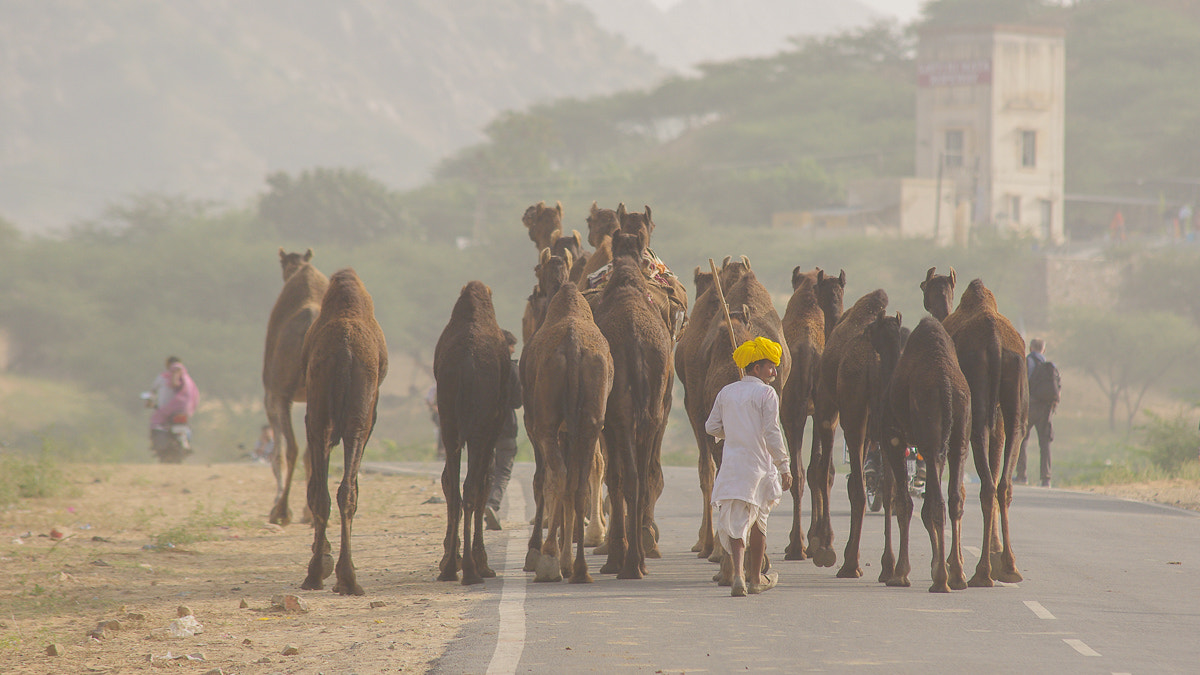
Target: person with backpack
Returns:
[[1044, 387]]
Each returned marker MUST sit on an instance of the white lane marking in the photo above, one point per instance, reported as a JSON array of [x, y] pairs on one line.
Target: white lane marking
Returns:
[[1038, 610], [973, 550], [510, 637], [1082, 648]]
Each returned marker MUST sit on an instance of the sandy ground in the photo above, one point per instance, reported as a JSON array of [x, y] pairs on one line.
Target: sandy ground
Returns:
[[1184, 494], [106, 567]]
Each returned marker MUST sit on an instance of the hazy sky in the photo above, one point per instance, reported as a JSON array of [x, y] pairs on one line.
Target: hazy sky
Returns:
[[904, 10]]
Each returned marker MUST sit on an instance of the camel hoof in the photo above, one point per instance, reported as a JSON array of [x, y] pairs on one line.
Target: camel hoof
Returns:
[[766, 566], [281, 518], [448, 575], [697, 547], [898, 582], [348, 588], [848, 572], [610, 568], [326, 566], [601, 549], [472, 580], [634, 573], [939, 588], [591, 541], [824, 557], [1009, 576], [653, 552], [547, 569], [715, 556], [980, 581], [311, 584], [958, 584], [487, 572], [531, 560], [578, 579], [705, 553]]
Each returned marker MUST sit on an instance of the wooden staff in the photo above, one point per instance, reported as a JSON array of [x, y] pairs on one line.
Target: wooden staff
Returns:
[[725, 310]]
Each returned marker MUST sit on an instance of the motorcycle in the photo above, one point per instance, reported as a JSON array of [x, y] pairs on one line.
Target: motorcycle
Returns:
[[170, 443], [873, 475]]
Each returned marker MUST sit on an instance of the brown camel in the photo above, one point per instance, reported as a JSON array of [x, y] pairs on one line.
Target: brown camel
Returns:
[[704, 342], [849, 386], [544, 224], [295, 309], [938, 293], [471, 367], [991, 354], [710, 367], [346, 360], [804, 328], [637, 407], [927, 405], [535, 305], [567, 377]]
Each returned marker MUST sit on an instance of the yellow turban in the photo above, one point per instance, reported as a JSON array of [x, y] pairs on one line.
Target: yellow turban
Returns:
[[756, 350]]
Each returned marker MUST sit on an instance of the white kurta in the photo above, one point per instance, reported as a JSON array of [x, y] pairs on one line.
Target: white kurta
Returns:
[[746, 415]]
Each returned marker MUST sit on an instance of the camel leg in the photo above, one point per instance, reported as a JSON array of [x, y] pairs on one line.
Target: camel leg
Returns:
[[855, 432], [479, 461], [635, 497], [347, 582], [902, 503], [708, 475], [283, 463], [887, 562], [957, 496], [987, 500], [1013, 422], [655, 484], [548, 567], [820, 477], [451, 490], [594, 532], [616, 518], [318, 500], [795, 547], [539, 502], [933, 514], [580, 474]]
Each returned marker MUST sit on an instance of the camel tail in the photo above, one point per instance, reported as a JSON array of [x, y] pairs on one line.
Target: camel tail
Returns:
[[995, 366], [573, 386], [639, 386], [339, 395]]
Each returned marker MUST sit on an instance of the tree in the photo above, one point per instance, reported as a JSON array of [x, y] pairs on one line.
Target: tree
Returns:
[[1126, 353], [324, 205]]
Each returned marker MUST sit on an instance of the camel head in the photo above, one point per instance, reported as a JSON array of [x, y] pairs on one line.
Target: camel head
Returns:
[[290, 262], [544, 223], [831, 293], [629, 245], [601, 223], [553, 271], [732, 272], [572, 244], [977, 297], [938, 292], [884, 333], [636, 224], [702, 280], [800, 278], [474, 299]]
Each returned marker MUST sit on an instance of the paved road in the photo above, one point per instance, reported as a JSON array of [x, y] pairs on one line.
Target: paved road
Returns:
[[1110, 586]]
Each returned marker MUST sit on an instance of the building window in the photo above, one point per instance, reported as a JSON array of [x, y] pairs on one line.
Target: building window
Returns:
[[952, 156], [1028, 149], [1047, 208], [1014, 209]]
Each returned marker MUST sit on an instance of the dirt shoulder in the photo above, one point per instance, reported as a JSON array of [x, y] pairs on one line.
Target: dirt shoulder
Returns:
[[1184, 494], [111, 564]]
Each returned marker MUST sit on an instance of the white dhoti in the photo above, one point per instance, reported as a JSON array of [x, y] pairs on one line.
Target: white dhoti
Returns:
[[733, 518]]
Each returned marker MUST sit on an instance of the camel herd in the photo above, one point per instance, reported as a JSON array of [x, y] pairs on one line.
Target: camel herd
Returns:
[[606, 331]]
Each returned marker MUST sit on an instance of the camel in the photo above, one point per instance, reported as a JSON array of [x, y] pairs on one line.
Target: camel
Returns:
[[346, 360], [702, 343], [544, 224], [295, 309], [804, 328], [928, 404], [602, 225], [637, 406], [849, 386], [991, 354], [471, 368], [567, 374], [938, 293], [710, 367], [535, 305]]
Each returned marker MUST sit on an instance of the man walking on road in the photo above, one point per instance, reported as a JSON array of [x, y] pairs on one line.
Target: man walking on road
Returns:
[[754, 467], [506, 445], [1044, 386]]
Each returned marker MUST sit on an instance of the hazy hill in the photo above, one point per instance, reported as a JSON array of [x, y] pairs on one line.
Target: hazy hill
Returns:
[[694, 31], [204, 97]]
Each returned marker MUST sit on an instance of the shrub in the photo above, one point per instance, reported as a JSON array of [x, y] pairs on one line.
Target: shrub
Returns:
[[1171, 443]]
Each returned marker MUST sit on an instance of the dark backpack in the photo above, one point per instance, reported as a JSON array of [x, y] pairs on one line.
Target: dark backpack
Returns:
[[1045, 385]]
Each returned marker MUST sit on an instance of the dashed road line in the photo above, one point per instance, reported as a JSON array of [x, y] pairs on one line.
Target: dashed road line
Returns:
[[1038, 610], [973, 550], [1079, 646], [510, 637]]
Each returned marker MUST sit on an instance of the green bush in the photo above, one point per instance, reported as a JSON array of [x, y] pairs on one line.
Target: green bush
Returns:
[[25, 478], [1171, 443]]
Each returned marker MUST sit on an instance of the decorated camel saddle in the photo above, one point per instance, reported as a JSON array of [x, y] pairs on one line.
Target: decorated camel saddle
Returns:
[[666, 293]]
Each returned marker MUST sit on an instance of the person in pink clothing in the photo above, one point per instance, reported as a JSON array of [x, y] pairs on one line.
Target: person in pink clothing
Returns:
[[754, 466]]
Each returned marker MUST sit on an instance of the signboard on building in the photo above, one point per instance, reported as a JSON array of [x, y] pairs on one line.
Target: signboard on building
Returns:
[[954, 73]]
